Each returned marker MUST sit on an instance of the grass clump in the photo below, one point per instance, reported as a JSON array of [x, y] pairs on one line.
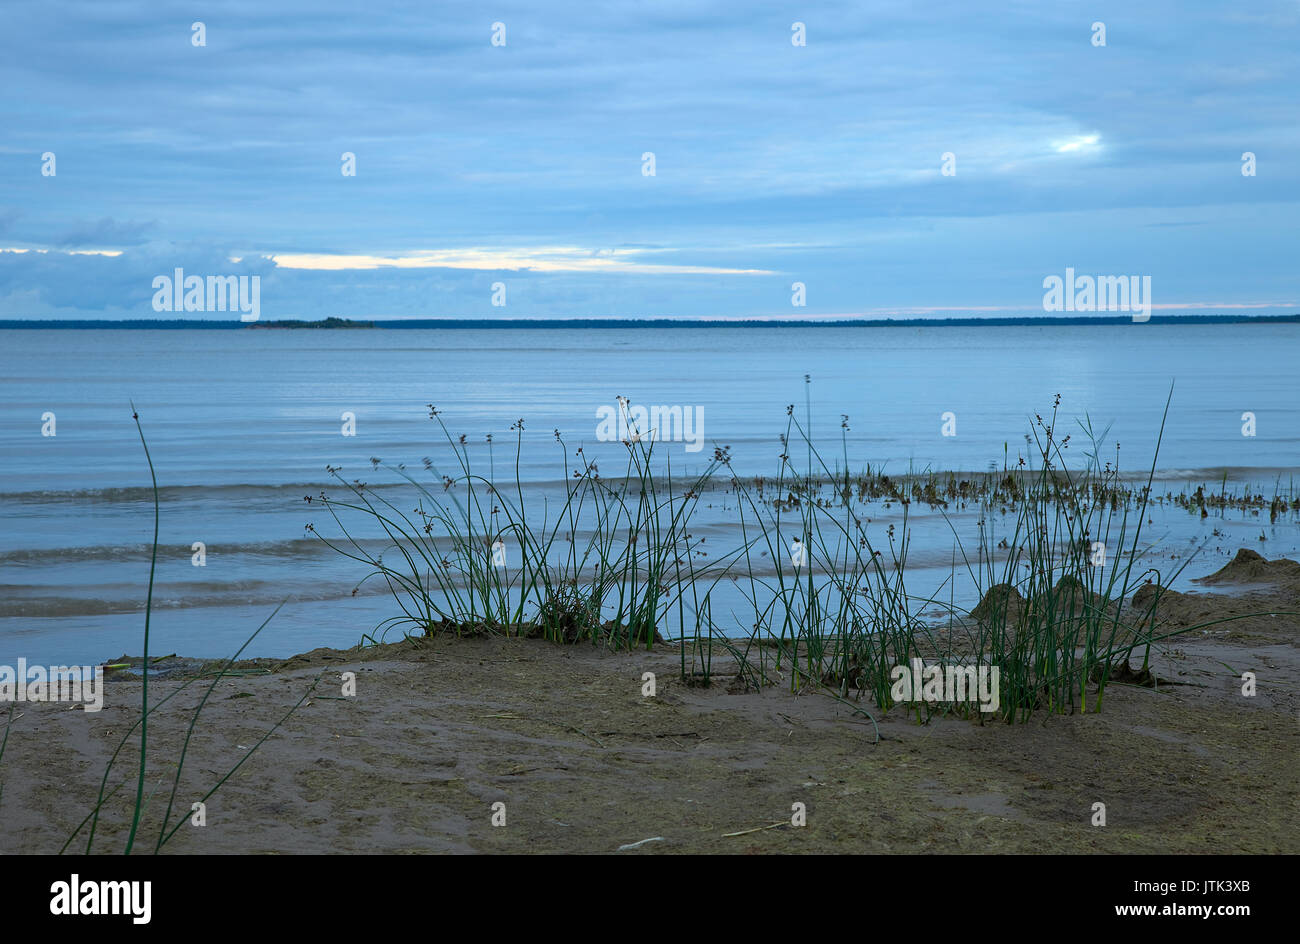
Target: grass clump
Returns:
[[474, 556], [809, 595]]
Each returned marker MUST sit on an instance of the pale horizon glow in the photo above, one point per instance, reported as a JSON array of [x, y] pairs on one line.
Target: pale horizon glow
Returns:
[[66, 252], [540, 259]]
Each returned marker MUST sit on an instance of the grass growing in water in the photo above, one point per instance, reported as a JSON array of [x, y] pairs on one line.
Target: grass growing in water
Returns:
[[605, 565], [825, 605]]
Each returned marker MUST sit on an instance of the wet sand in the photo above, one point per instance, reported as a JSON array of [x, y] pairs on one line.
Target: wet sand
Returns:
[[441, 730]]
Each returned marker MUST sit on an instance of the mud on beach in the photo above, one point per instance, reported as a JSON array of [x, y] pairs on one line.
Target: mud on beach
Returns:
[[440, 730]]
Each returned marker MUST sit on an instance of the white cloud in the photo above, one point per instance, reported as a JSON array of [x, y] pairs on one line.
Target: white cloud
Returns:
[[1080, 142], [66, 252], [538, 259]]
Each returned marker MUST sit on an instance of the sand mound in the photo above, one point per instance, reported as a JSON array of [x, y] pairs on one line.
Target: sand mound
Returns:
[[1071, 584], [1000, 598], [1249, 567], [1146, 595], [1072, 593], [1252, 614]]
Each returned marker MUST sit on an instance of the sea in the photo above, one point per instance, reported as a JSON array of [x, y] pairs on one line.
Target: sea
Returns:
[[242, 427]]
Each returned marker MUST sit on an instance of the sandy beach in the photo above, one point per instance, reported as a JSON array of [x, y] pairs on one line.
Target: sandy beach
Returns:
[[440, 730], [650, 429]]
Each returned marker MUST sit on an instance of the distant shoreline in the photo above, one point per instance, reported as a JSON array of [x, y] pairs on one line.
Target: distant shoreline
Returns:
[[335, 324]]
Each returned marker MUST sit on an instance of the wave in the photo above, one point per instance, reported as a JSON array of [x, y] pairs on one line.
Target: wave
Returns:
[[288, 492], [185, 597], [299, 548], [173, 493], [384, 481]]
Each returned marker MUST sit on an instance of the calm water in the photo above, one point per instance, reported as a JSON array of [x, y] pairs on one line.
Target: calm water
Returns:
[[241, 425]]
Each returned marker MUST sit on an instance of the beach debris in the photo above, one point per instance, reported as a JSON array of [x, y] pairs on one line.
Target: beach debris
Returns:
[[637, 845], [756, 829]]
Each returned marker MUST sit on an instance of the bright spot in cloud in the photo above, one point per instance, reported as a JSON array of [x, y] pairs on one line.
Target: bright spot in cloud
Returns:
[[541, 259], [67, 252], [1077, 143]]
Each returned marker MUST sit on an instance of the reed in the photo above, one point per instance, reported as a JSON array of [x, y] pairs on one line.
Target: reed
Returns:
[[473, 556], [166, 828], [824, 602]]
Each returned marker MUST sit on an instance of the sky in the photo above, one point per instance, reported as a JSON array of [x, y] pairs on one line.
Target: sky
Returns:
[[521, 163]]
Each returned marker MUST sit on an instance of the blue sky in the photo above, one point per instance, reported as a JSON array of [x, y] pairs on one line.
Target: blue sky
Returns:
[[774, 163]]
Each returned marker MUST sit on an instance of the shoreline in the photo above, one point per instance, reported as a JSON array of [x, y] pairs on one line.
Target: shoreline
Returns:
[[786, 321], [441, 729]]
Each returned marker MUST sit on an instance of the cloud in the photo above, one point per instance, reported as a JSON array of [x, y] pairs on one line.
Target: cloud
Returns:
[[774, 163], [108, 283], [1082, 142], [540, 259], [104, 232]]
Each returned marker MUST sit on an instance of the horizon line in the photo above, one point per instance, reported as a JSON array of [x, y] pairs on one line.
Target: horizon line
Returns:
[[612, 321]]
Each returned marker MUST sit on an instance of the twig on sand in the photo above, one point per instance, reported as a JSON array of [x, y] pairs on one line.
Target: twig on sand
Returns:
[[862, 711], [637, 845], [585, 734], [756, 829]]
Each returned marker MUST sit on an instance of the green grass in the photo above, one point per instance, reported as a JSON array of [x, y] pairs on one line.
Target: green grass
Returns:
[[604, 564], [613, 561], [167, 829]]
